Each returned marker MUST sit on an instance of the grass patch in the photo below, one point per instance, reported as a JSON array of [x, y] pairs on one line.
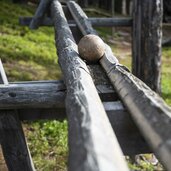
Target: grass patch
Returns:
[[49, 149], [17, 43], [166, 73]]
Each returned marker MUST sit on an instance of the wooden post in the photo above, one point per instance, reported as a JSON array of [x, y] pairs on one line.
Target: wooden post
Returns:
[[123, 7], [12, 138], [147, 36], [113, 14], [39, 14]]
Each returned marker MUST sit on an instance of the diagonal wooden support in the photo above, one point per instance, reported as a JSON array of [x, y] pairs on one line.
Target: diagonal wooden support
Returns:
[[40, 13], [12, 138]]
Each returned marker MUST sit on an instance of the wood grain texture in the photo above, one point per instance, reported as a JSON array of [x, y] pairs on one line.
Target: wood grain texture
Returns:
[[12, 139], [81, 18], [47, 94], [92, 143], [150, 113], [147, 38], [25, 21], [111, 22], [39, 14], [32, 95], [128, 135], [37, 100], [13, 142], [85, 25], [98, 22]]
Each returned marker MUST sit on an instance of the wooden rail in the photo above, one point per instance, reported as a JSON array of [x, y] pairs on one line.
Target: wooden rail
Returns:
[[98, 22], [101, 111], [46, 100], [88, 123], [136, 96]]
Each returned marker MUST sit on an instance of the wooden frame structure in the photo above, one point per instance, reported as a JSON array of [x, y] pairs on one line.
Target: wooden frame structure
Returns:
[[93, 106]]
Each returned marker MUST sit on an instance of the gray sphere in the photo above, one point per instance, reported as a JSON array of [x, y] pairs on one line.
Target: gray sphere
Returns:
[[91, 48]]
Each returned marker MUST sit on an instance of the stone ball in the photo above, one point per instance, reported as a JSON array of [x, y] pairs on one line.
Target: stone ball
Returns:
[[91, 48]]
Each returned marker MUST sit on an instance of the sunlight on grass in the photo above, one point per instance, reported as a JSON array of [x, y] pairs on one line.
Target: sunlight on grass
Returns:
[[49, 149], [18, 43]]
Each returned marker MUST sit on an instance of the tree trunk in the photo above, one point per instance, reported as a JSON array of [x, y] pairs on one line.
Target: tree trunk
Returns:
[[147, 36]]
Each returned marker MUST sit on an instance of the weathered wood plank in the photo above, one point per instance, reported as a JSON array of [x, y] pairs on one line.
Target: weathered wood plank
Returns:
[[36, 114], [13, 143], [151, 115], [127, 133], [111, 22], [39, 14], [43, 94], [26, 21], [12, 139], [80, 18], [147, 38], [125, 129], [98, 22], [92, 143], [37, 100], [32, 95], [122, 119]]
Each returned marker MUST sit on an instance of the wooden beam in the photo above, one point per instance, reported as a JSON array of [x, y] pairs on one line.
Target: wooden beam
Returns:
[[111, 22], [37, 100], [26, 21], [147, 39], [98, 22], [81, 19], [13, 143], [151, 115], [39, 14], [92, 143], [127, 133], [43, 94]]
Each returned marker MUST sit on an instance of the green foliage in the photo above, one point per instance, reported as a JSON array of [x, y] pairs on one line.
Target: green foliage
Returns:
[[48, 144], [18, 43], [166, 73]]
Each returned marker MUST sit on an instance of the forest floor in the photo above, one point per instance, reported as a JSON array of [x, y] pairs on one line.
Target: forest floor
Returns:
[[31, 55]]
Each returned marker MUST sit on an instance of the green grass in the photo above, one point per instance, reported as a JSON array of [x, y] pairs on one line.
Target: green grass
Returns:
[[48, 144], [166, 73], [24, 48], [31, 55]]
